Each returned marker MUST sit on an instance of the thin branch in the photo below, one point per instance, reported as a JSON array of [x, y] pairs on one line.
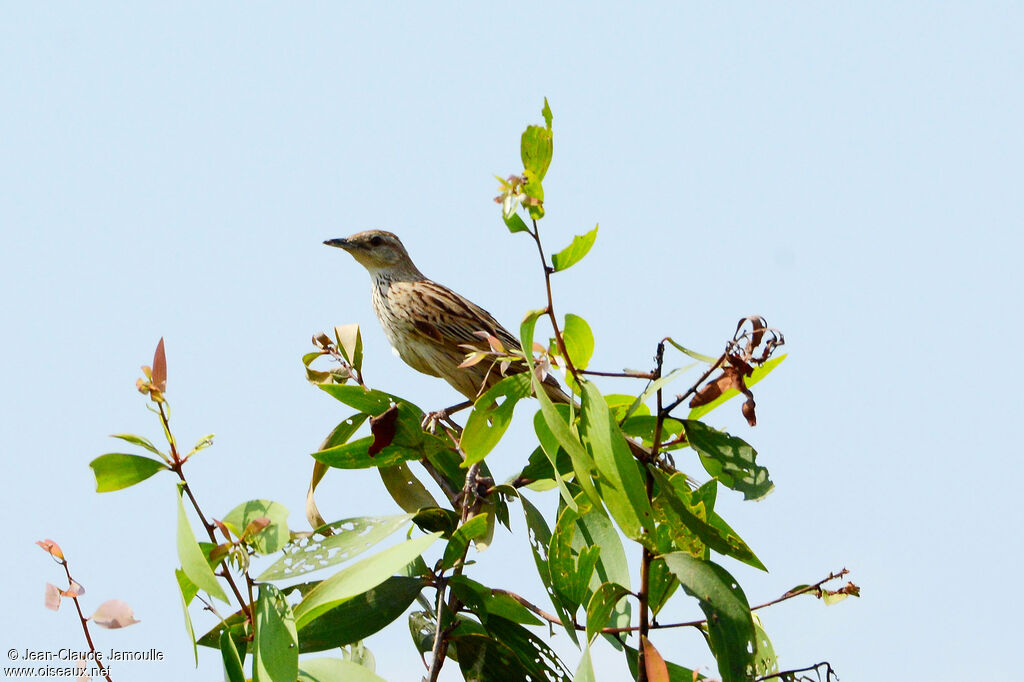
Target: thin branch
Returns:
[[83, 619], [621, 375], [176, 467], [647, 556], [665, 626], [693, 389], [548, 270], [830, 674], [440, 647]]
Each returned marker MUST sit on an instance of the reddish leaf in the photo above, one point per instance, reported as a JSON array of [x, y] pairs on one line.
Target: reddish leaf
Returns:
[[53, 548], [383, 429], [255, 526], [223, 529], [113, 614], [160, 367], [654, 664]]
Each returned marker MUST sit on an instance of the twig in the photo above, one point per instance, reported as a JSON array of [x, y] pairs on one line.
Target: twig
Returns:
[[693, 389], [548, 270], [82, 618], [176, 466], [830, 674], [621, 375], [647, 556], [440, 648], [664, 626]]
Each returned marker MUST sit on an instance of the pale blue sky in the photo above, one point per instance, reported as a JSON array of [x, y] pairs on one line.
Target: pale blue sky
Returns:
[[851, 173]]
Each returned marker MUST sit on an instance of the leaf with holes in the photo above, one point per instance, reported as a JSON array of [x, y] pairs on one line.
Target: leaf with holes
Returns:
[[730, 626], [276, 644], [729, 459], [349, 538], [359, 577]]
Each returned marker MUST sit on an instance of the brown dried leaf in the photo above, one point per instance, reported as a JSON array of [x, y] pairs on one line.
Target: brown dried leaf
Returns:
[[160, 368], [748, 412], [383, 429], [714, 388]]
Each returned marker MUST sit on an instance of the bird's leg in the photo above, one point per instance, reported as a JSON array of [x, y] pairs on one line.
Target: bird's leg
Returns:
[[431, 419]]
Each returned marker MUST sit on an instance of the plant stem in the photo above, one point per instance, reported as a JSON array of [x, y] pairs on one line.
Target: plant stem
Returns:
[[176, 466], [666, 626], [647, 557], [663, 412], [83, 619], [551, 306]]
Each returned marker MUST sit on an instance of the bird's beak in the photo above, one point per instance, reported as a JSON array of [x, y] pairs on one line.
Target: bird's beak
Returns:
[[340, 243]]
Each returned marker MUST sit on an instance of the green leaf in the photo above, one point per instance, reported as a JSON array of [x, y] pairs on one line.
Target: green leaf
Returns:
[[333, 544], [116, 471], [335, 670], [555, 424], [539, 536], [585, 669], [270, 539], [409, 442], [491, 415], [233, 671], [363, 399], [360, 577], [515, 224], [680, 508], [692, 353], [475, 528], [622, 486], [596, 529], [765, 660], [188, 590], [193, 561], [507, 652], [276, 645], [601, 605], [571, 570], [758, 374], [729, 459], [575, 252], [536, 146], [546, 113], [730, 626], [360, 616], [579, 340], [405, 488], [654, 386], [140, 441], [484, 659], [661, 584]]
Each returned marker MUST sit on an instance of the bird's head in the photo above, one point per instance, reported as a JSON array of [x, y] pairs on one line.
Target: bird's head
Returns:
[[377, 251]]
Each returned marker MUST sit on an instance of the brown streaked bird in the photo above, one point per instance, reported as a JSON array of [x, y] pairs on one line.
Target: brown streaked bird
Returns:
[[426, 322]]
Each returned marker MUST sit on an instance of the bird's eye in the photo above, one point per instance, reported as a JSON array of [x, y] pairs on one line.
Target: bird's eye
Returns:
[[376, 241]]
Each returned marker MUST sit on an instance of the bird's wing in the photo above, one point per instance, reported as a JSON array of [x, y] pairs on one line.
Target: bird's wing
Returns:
[[446, 317]]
